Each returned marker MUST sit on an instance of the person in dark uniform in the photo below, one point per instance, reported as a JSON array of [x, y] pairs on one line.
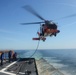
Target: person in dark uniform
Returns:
[[2, 57], [42, 29], [9, 55]]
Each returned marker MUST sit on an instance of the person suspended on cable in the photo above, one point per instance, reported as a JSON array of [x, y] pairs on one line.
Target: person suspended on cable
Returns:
[[42, 29]]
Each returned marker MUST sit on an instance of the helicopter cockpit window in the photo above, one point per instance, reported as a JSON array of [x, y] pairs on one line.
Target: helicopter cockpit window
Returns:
[[52, 25], [47, 22], [51, 22]]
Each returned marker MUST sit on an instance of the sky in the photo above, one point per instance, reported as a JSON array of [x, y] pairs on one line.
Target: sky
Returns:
[[15, 36]]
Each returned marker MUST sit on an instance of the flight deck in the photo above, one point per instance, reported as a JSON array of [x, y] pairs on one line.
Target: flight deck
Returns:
[[24, 66]]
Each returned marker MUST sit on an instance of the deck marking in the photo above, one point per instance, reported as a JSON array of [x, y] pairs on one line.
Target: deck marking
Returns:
[[3, 70]]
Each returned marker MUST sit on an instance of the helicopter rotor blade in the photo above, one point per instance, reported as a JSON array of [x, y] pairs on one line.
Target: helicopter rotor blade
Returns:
[[31, 10], [31, 23], [73, 15]]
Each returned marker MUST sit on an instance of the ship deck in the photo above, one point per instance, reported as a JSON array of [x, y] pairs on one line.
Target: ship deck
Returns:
[[24, 66]]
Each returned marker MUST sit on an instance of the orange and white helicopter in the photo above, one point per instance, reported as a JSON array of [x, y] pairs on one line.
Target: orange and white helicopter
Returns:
[[47, 28]]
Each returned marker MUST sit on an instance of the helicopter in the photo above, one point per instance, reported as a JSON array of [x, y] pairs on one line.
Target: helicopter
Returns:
[[47, 27]]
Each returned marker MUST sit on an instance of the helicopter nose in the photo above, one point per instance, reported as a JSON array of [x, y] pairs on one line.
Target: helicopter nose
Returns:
[[58, 31]]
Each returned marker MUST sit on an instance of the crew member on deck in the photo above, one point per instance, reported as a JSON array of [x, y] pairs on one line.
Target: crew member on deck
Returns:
[[9, 55], [15, 56], [2, 57]]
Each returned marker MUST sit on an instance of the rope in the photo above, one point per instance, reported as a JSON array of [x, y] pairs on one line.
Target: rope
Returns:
[[37, 45], [36, 49], [33, 53]]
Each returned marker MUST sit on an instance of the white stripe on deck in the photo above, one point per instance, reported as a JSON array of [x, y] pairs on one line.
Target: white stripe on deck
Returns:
[[3, 70]]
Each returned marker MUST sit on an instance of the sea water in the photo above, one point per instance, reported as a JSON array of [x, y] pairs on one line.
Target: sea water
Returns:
[[62, 59]]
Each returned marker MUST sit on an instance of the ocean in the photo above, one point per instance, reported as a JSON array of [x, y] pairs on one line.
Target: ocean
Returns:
[[62, 59]]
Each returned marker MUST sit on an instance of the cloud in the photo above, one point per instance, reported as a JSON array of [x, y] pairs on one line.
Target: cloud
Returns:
[[70, 24], [7, 37], [11, 32], [5, 31], [68, 4]]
